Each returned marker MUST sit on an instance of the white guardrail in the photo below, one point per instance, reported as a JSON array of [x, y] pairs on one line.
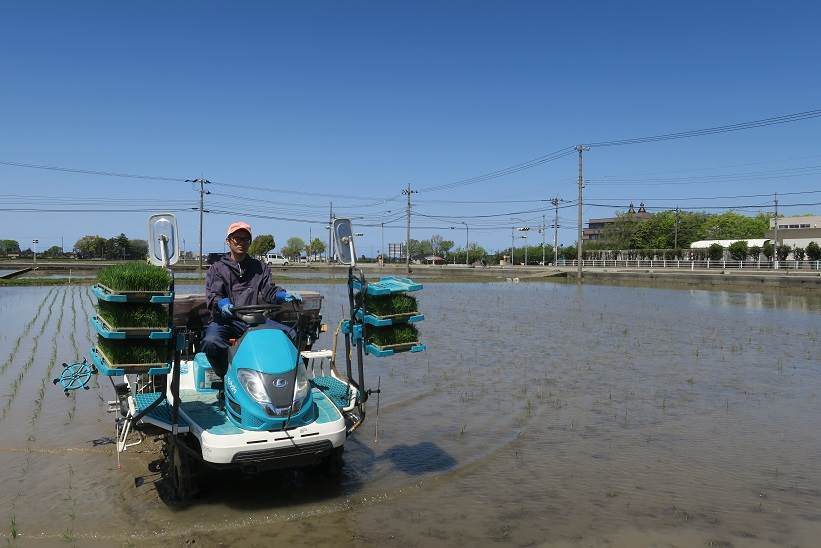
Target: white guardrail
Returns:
[[697, 265]]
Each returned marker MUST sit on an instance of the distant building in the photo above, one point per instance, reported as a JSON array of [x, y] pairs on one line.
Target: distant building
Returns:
[[796, 231], [596, 227]]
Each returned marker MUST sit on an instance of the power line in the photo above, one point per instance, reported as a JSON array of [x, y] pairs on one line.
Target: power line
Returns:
[[92, 172], [775, 120], [506, 214], [561, 153], [698, 208], [117, 174], [94, 210], [712, 197]]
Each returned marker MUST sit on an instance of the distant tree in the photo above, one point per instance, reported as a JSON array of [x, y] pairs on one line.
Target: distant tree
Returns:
[[118, 247], [90, 246], [138, 249], [813, 251], [568, 253], [261, 245], [666, 229], [293, 247], [755, 252], [738, 250], [783, 252], [420, 249], [53, 251], [732, 225], [476, 252], [767, 250], [439, 245], [798, 253], [715, 252], [317, 247], [9, 246]]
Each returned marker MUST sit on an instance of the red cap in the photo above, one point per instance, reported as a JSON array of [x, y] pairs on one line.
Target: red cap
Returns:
[[239, 225]]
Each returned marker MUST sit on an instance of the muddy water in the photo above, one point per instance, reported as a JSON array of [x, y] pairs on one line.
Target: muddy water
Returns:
[[541, 414]]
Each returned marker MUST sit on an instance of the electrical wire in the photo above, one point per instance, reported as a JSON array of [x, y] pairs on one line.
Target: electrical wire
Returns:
[[550, 157], [764, 122]]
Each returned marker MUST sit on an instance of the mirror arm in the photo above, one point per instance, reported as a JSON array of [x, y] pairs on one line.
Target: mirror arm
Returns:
[[164, 250]]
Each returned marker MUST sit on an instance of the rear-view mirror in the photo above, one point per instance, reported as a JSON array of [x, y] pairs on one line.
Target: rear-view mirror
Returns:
[[343, 236], [163, 240]]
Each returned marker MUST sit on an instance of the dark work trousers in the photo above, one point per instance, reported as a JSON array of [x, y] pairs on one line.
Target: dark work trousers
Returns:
[[215, 342]]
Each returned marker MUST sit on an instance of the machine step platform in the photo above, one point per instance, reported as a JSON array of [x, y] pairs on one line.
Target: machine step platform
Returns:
[[160, 415], [335, 390]]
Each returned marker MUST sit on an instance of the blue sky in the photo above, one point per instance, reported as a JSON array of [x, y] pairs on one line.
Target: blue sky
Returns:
[[358, 99]]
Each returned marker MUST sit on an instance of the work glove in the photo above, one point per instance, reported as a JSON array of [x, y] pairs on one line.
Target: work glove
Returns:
[[226, 307], [283, 296]]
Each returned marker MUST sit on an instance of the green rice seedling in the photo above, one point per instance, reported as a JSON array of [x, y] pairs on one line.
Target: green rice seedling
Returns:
[[388, 305], [392, 334], [134, 277], [25, 332], [38, 403], [134, 352], [15, 384], [133, 314]]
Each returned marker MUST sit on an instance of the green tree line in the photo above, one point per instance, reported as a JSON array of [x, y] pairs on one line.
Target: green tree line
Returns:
[[669, 230], [117, 247]]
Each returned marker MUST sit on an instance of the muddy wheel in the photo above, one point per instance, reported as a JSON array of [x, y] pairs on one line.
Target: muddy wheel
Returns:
[[180, 472]]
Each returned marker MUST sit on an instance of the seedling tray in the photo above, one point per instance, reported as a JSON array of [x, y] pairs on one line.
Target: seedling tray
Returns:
[[105, 367], [105, 293], [107, 331], [388, 285], [382, 321], [391, 349]]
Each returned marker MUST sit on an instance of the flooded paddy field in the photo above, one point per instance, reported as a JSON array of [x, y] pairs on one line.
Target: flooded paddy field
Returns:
[[541, 414]]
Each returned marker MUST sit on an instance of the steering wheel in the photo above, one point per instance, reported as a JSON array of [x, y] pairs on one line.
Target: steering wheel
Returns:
[[254, 314], [256, 308]]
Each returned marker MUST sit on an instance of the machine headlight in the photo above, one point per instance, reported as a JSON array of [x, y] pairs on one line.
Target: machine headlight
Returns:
[[254, 384], [303, 387]]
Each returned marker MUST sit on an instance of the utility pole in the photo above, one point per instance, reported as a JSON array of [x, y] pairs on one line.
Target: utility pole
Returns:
[[407, 192], [330, 232], [555, 202], [579, 246], [382, 246], [512, 243], [544, 229], [467, 243], [675, 233], [202, 182], [34, 246], [524, 230], [775, 222]]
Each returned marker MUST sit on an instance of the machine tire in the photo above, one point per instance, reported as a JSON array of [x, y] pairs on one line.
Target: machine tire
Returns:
[[180, 472]]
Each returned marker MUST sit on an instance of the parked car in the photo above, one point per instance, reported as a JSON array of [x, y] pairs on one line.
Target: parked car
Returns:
[[275, 259]]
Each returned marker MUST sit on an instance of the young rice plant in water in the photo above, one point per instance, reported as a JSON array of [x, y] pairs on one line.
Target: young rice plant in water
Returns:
[[134, 277]]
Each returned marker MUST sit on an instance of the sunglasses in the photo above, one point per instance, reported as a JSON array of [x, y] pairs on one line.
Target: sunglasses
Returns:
[[240, 240]]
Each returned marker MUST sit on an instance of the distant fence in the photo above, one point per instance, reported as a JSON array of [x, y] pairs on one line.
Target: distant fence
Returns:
[[706, 264]]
